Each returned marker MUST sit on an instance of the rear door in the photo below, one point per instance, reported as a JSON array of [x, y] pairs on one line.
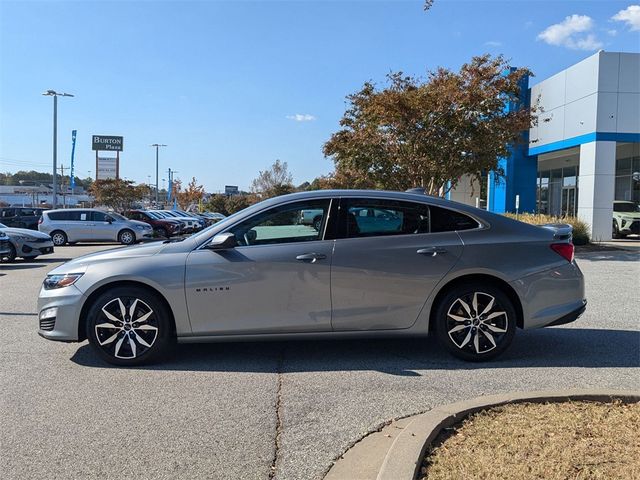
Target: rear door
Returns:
[[386, 262], [76, 224]]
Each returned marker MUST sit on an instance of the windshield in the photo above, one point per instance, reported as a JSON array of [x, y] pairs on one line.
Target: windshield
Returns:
[[117, 215], [626, 207]]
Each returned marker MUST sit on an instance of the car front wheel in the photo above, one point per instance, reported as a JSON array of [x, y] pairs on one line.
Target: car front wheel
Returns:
[[129, 326], [127, 237], [475, 322]]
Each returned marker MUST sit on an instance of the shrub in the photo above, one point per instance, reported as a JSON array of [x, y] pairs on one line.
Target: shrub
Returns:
[[580, 228]]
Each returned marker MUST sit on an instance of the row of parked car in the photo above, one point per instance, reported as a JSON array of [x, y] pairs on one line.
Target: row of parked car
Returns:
[[19, 238]]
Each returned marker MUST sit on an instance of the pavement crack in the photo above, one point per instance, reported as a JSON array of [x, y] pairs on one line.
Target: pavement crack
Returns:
[[278, 407]]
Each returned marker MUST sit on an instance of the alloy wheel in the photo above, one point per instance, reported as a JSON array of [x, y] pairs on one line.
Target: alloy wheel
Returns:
[[477, 322], [58, 239], [127, 327], [126, 237]]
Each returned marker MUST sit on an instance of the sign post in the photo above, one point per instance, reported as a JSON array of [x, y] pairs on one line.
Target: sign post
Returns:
[[107, 167]]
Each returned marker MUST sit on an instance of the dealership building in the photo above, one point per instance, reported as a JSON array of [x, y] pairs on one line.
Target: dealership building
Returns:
[[584, 152]]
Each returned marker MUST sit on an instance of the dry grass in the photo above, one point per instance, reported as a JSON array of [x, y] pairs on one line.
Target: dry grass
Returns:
[[580, 228], [572, 440]]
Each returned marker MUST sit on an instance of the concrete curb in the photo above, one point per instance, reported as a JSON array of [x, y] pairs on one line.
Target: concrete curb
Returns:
[[404, 458], [396, 451]]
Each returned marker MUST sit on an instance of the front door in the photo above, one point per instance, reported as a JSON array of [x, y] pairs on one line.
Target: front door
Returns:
[[276, 280], [102, 228], [386, 263]]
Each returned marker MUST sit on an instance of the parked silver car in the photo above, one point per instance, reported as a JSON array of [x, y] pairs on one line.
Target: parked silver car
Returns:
[[468, 275], [72, 225], [25, 243]]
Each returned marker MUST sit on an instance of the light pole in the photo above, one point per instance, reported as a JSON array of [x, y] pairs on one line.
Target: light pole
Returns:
[[55, 95], [157, 145]]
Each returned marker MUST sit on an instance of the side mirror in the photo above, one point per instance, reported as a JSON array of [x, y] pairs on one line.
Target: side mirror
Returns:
[[222, 241]]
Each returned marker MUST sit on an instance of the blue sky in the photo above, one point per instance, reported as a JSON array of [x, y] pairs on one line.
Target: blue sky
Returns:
[[232, 86]]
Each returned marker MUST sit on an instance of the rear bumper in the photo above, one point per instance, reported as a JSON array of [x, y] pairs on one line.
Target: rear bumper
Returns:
[[550, 296], [569, 317]]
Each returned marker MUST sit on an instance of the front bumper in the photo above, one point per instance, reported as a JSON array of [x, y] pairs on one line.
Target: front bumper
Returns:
[[68, 303], [33, 249], [630, 227]]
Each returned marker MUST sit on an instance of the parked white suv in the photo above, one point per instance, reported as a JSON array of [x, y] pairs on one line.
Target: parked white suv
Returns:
[[72, 225]]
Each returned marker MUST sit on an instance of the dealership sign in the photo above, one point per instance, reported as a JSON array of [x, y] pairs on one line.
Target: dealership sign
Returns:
[[107, 142], [107, 168]]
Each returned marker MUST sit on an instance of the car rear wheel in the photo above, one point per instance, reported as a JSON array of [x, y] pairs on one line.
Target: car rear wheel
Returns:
[[127, 237], [129, 326], [475, 322], [59, 238]]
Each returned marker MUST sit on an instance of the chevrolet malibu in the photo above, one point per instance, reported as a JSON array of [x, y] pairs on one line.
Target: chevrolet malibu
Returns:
[[466, 275]]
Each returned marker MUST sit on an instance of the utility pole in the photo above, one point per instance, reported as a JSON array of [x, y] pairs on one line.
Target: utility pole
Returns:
[[157, 145], [55, 95], [62, 185]]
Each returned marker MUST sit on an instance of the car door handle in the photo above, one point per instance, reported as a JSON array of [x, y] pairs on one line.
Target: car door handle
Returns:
[[433, 251], [311, 257]]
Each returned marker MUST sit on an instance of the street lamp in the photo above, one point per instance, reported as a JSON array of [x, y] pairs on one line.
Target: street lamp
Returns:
[[55, 95], [157, 145]]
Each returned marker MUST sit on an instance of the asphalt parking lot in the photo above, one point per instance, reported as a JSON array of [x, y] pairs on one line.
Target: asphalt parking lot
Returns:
[[287, 410]]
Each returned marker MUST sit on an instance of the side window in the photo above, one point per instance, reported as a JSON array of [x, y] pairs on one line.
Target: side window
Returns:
[[445, 220], [65, 216], [374, 217], [284, 224], [9, 212], [98, 216], [28, 212]]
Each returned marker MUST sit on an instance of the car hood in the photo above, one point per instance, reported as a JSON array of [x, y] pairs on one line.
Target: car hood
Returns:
[[138, 222], [24, 231], [634, 215], [80, 264]]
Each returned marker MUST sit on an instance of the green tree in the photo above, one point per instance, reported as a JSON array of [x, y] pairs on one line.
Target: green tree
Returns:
[[217, 203], [121, 195], [235, 203], [429, 134]]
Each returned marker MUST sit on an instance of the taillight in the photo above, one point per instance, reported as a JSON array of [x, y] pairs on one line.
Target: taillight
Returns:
[[564, 249], [40, 220]]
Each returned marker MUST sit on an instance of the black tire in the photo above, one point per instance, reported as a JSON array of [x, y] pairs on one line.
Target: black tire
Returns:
[[317, 223], [162, 232], [468, 334], [616, 231], [59, 238], [151, 338], [11, 256], [127, 237]]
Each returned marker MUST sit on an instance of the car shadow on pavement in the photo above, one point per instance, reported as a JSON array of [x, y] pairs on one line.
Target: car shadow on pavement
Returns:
[[553, 347]]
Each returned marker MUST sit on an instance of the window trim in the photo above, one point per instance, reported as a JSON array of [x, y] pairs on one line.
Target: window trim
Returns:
[[329, 224], [482, 225]]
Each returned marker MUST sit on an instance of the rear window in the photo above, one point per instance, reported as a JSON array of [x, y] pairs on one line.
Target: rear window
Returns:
[[445, 220]]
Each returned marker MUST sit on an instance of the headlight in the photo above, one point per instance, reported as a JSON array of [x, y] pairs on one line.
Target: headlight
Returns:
[[140, 227], [59, 281], [23, 238]]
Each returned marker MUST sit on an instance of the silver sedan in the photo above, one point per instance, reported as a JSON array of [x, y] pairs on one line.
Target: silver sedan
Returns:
[[26, 243], [378, 264]]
